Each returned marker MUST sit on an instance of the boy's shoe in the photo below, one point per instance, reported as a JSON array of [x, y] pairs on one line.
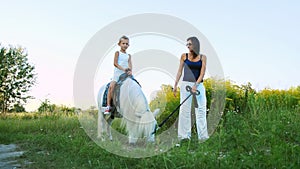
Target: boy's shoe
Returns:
[[107, 110]]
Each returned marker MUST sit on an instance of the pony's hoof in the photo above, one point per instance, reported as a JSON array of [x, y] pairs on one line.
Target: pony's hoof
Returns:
[[101, 138], [132, 144], [151, 140]]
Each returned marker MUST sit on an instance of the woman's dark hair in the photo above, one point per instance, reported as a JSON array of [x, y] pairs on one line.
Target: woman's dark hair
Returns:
[[196, 45]]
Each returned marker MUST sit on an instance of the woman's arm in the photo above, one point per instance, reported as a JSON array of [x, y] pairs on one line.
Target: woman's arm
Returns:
[[202, 73], [179, 73], [203, 69]]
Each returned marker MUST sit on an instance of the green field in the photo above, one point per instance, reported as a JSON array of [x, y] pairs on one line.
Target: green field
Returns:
[[242, 140], [257, 130]]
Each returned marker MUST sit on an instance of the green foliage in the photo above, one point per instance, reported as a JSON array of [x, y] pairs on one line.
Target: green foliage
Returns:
[[47, 107], [17, 76], [237, 96], [270, 140], [166, 102], [17, 108], [270, 99], [239, 99], [215, 95], [260, 129]]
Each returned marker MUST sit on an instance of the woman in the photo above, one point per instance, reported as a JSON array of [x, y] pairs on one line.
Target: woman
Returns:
[[194, 65]]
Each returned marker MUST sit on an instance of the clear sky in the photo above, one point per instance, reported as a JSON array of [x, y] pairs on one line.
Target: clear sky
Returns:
[[256, 41]]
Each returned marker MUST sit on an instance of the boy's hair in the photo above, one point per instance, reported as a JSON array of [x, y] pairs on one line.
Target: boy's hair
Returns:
[[123, 37]]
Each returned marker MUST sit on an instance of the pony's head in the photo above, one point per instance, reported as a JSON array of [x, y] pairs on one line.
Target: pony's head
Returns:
[[137, 117]]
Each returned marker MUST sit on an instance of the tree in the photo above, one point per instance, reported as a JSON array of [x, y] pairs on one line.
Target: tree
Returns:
[[46, 106], [17, 77], [17, 108]]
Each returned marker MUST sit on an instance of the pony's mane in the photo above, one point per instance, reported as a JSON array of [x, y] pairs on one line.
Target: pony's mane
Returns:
[[134, 96], [135, 109]]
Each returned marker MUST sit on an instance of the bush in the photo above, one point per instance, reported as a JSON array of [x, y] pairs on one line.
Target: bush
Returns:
[[239, 99]]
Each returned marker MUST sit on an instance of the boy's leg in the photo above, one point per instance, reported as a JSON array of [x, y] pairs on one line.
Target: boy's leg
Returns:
[[109, 94]]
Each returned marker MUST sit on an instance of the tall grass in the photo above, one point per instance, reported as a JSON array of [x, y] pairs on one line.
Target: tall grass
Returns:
[[226, 96], [242, 140], [260, 129]]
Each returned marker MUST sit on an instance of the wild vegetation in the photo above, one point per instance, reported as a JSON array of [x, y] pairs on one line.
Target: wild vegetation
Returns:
[[258, 129], [17, 77]]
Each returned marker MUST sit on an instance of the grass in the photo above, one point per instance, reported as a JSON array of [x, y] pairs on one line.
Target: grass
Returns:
[[269, 139]]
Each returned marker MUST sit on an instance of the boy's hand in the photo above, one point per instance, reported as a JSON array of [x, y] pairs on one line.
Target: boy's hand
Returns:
[[128, 71]]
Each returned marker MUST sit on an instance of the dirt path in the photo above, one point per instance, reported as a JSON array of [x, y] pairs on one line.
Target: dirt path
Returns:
[[9, 156]]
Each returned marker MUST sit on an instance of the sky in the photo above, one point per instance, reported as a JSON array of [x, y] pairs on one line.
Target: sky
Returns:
[[256, 41]]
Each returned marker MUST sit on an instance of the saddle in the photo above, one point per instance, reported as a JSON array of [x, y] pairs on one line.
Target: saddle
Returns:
[[116, 95]]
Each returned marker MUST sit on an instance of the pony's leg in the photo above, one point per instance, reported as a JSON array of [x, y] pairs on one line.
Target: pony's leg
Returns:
[[132, 132], [151, 137], [109, 122], [101, 125], [148, 124]]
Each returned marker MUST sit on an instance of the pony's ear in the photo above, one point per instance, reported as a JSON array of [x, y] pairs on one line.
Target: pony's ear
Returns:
[[156, 112]]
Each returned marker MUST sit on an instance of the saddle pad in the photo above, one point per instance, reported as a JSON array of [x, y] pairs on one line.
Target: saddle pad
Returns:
[[104, 100]]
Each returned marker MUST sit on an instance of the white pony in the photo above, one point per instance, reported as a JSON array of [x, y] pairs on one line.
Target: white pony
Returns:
[[137, 118]]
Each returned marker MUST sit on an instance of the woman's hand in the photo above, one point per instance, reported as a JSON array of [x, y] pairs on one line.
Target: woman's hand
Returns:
[[194, 89], [175, 90]]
